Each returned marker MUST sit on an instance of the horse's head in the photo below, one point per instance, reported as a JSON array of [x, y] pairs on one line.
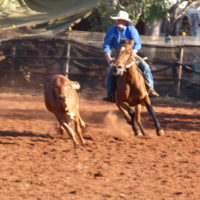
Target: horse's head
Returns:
[[124, 55]]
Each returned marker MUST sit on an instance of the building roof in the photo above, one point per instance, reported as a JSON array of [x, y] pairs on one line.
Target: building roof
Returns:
[[43, 16]]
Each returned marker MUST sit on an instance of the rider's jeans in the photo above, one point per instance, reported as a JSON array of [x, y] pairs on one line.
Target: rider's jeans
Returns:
[[109, 78], [144, 67]]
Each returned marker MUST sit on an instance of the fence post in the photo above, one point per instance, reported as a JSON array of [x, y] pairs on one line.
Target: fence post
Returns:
[[12, 69], [180, 70], [68, 59]]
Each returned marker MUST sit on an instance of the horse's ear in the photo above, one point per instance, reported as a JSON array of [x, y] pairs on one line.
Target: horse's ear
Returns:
[[123, 41], [131, 43]]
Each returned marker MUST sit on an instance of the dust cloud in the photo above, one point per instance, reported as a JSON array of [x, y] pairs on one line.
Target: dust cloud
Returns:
[[117, 126]]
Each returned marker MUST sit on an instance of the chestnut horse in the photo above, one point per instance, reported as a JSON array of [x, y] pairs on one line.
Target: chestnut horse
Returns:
[[131, 89]]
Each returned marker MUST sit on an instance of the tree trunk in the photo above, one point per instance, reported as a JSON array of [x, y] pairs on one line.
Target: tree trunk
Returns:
[[155, 30]]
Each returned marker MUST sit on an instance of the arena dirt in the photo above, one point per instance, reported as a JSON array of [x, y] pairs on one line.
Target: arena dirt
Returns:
[[37, 163]]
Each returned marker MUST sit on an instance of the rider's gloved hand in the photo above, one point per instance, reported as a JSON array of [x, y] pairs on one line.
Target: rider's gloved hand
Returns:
[[109, 58]]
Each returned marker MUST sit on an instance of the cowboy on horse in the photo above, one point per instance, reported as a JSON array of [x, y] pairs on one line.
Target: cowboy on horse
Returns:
[[124, 30], [131, 90]]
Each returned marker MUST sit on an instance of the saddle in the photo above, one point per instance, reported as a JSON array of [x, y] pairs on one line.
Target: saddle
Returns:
[[139, 62], [113, 85]]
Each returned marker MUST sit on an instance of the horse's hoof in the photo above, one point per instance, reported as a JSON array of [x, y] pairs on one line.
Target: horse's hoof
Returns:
[[139, 134], [160, 132]]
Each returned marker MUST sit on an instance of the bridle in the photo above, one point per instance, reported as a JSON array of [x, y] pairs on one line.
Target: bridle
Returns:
[[137, 59], [121, 69]]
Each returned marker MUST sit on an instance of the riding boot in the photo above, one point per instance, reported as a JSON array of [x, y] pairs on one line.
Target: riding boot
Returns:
[[152, 93], [150, 90]]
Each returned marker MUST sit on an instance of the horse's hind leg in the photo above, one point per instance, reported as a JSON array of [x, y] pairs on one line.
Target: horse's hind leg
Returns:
[[159, 130]]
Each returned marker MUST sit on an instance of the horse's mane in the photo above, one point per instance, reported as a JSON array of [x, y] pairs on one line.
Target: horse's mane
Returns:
[[123, 41]]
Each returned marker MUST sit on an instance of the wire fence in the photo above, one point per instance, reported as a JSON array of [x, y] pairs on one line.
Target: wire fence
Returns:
[[26, 61]]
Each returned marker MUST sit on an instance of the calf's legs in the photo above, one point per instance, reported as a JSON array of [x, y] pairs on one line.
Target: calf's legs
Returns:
[[71, 133], [78, 130]]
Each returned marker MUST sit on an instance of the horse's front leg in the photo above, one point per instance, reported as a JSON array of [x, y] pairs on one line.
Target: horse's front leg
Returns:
[[129, 115], [124, 111]]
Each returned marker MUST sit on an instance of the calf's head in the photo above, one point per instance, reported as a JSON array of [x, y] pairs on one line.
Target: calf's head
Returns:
[[65, 94]]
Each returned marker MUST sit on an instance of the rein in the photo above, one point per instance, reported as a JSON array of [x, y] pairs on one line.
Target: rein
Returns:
[[128, 65], [122, 69]]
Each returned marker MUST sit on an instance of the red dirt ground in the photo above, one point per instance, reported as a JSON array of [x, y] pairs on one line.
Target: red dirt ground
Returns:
[[39, 164]]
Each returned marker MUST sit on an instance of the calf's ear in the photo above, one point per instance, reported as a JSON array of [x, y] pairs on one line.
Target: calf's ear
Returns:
[[75, 85], [51, 85]]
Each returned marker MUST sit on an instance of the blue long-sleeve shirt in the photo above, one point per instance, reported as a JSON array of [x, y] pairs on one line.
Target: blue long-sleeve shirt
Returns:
[[113, 37]]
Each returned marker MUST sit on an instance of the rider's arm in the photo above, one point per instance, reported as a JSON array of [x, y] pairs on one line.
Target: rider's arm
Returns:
[[107, 45], [109, 40]]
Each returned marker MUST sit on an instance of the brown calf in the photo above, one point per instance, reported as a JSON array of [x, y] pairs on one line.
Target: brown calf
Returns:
[[62, 100]]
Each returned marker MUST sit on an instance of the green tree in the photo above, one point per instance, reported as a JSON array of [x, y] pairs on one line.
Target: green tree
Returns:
[[143, 10]]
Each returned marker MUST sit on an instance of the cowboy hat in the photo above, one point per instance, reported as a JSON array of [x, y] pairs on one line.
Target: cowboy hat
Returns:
[[123, 16]]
